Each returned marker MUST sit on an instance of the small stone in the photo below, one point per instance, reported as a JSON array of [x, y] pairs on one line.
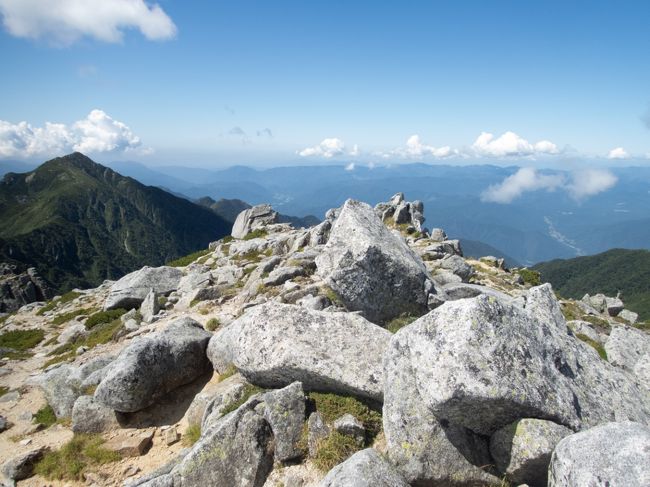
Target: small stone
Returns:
[[317, 430], [25, 442], [131, 470], [22, 466], [81, 350], [171, 436], [130, 445], [10, 396], [4, 424], [350, 426]]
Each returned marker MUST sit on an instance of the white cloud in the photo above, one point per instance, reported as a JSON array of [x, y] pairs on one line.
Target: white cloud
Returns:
[[510, 144], [589, 182], [415, 148], [581, 184], [66, 21], [328, 148], [96, 133], [525, 179], [618, 153], [350, 167], [355, 152]]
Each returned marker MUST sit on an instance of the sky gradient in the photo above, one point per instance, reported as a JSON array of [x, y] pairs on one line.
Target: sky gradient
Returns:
[[268, 83]]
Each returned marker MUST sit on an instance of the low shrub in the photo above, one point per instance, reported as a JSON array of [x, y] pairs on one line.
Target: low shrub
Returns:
[[65, 317], [258, 233], [45, 416], [21, 340], [192, 434], [530, 276], [188, 259], [103, 317], [212, 324]]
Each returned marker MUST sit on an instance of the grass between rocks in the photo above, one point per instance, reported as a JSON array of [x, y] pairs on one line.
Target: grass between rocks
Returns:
[[4, 390], [50, 305], [65, 317], [21, 341], [74, 458], [188, 259], [192, 434], [400, 322], [229, 372], [213, 324], [259, 233], [103, 317], [530, 276], [45, 416], [597, 346], [337, 447], [330, 294]]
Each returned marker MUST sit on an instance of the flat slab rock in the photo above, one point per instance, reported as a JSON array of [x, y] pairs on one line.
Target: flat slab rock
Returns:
[[275, 344], [130, 291], [364, 469], [154, 365], [370, 268], [130, 444], [612, 455]]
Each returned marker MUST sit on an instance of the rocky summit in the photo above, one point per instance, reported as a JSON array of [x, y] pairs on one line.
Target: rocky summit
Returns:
[[364, 351]]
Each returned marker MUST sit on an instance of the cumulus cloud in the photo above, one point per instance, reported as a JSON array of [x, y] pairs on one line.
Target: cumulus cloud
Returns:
[[415, 148], [66, 21], [355, 152], [350, 167], [328, 148], [97, 133], [618, 153], [525, 179], [581, 184], [510, 144], [589, 182]]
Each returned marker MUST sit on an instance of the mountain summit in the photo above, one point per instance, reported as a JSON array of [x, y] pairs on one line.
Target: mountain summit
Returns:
[[79, 222]]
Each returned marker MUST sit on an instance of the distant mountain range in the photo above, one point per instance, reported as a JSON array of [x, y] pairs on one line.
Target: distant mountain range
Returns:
[[627, 271], [79, 223], [537, 227]]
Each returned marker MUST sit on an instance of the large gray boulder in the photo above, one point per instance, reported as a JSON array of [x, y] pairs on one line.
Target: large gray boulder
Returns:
[[482, 363], [284, 409], [609, 455], [424, 450], [154, 365], [21, 466], [130, 291], [90, 416], [252, 219], [236, 451], [370, 268], [364, 469], [522, 450], [215, 396], [275, 344], [626, 346]]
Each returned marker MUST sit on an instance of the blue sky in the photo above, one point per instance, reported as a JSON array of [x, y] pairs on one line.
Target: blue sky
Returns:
[[216, 83]]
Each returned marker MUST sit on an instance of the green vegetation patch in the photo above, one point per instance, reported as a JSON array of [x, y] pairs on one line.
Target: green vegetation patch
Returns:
[[99, 334], [4, 390], [65, 317], [332, 406], [74, 458], [50, 305], [530, 276], [21, 340], [229, 372], [258, 233], [212, 324], [252, 256], [334, 449], [188, 259], [400, 322], [192, 434], [45, 416], [332, 296], [103, 317], [597, 346], [249, 391]]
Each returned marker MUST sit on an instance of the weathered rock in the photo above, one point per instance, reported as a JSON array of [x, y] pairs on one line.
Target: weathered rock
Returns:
[[364, 469], [4, 424], [584, 328], [458, 266], [284, 409], [612, 454], [130, 443], [371, 269], [90, 416], [522, 450], [350, 426], [626, 346], [481, 363], [455, 291], [252, 219], [154, 365], [317, 430], [630, 316], [275, 344], [317, 303], [215, 397], [20, 288], [63, 384], [614, 306], [71, 333], [130, 291], [22, 466], [236, 451], [149, 307], [438, 235], [425, 450], [170, 436], [283, 274]]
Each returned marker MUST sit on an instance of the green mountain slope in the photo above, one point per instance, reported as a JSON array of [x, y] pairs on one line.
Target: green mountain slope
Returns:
[[627, 271], [79, 222]]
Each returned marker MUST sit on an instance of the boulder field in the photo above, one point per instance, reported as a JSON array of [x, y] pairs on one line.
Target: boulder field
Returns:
[[362, 352]]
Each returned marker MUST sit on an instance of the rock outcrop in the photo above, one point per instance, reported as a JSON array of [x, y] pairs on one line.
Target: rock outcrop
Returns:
[[130, 291], [253, 218], [19, 289], [364, 469], [371, 269]]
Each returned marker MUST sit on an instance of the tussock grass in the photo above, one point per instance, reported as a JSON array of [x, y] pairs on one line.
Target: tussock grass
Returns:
[[258, 233], [333, 450], [103, 317], [188, 259], [192, 434], [400, 322], [213, 324], [21, 340], [45, 416]]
